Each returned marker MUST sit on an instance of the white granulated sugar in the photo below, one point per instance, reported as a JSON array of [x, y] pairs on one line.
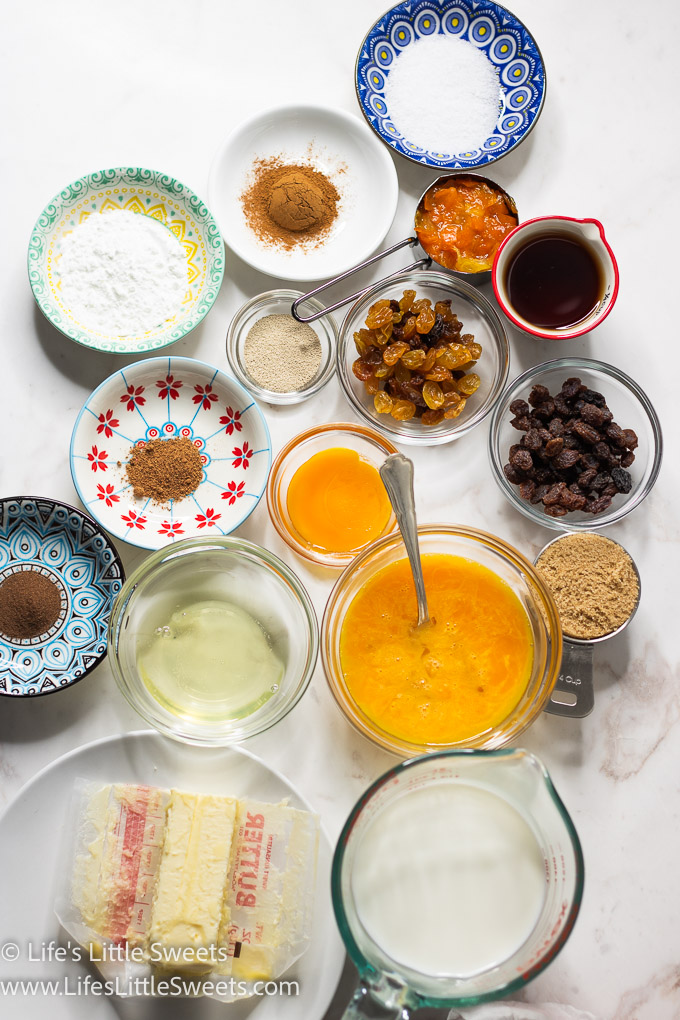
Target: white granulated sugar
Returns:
[[443, 95], [122, 273]]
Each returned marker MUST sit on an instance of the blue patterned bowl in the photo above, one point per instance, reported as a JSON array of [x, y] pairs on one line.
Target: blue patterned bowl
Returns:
[[147, 193], [70, 549], [502, 38]]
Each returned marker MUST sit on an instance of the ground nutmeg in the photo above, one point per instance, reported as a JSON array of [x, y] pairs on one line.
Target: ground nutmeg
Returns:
[[165, 469]]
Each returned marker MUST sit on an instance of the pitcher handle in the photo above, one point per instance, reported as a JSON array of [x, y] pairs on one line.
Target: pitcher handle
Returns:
[[420, 263], [363, 1006]]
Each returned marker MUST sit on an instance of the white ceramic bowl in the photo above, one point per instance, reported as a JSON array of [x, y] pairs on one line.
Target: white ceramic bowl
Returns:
[[340, 146], [588, 232]]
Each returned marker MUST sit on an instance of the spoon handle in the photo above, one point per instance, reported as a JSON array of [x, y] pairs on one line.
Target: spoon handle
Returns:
[[396, 472]]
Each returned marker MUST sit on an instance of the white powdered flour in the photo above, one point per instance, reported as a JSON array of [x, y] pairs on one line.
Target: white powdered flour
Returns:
[[443, 95], [122, 273]]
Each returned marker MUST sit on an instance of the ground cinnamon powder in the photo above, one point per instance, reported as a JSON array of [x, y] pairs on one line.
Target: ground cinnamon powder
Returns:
[[165, 469], [593, 582], [30, 604], [289, 205]]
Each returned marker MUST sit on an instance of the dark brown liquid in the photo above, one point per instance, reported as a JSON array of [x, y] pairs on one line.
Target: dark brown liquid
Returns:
[[554, 281]]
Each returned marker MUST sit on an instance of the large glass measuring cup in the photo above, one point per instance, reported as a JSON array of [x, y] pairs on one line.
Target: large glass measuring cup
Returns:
[[457, 878]]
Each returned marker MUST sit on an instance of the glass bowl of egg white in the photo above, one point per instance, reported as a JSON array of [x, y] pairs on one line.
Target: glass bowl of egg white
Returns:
[[213, 640], [278, 359], [325, 495], [476, 676]]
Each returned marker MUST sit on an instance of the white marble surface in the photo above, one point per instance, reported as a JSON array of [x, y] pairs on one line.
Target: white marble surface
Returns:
[[87, 86]]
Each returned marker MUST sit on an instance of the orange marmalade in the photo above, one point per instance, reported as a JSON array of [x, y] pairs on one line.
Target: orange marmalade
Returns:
[[448, 680], [337, 502], [461, 223]]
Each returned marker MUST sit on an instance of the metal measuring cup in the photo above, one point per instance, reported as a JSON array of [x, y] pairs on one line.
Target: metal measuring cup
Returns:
[[423, 263], [573, 693]]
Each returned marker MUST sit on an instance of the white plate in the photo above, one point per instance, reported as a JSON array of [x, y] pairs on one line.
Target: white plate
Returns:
[[336, 143], [30, 836]]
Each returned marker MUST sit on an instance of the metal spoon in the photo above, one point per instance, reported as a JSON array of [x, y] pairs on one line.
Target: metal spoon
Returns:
[[396, 472]]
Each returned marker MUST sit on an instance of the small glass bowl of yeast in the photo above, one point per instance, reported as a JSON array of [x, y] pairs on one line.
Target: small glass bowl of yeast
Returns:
[[213, 640], [276, 380], [401, 685], [325, 496]]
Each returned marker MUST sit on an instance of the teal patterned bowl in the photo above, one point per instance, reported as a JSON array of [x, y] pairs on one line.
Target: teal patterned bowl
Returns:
[[135, 190]]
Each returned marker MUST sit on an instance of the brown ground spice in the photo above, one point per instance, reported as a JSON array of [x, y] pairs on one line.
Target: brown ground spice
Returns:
[[289, 204], [593, 582], [30, 603], [165, 469]]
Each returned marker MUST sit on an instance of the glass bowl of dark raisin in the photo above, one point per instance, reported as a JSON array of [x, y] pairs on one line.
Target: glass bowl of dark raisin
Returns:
[[422, 357], [575, 444]]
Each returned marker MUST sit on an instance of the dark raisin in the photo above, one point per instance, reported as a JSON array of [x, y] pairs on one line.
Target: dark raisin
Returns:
[[598, 505], [593, 415], [586, 477], [555, 510], [554, 446], [437, 329], [539, 493], [622, 480], [570, 387], [554, 494], [546, 410], [627, 459], [614, 434], [519, 408], [575, 487], [522, 423], [556, 427], [527, 489], [562, 407], [572, 500], [532, 440], [609, 490], [511, 474], [631, 439], [600, 481], [566, 459], [603, 451], [589, 461], [572, 443], [542, 475], [522, 460], [586, 432], [593, 397], [538, 395]]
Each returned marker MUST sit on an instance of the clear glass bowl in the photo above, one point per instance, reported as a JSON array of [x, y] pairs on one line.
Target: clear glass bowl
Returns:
[[632, 409], [477, 316], [367, 443], [506, 563], [278, 302], [224, 569]]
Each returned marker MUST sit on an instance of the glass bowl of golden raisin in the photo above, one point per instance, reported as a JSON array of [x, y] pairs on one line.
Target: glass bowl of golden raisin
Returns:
[[422, 357]]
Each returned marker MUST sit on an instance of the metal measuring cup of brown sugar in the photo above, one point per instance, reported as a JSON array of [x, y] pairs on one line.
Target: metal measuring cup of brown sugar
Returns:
[[573, 693], [423, 263]]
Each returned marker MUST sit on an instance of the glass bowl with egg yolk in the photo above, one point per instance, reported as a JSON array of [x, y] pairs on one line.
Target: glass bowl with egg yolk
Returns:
[[476, 676], [325, 495], [213, 640]]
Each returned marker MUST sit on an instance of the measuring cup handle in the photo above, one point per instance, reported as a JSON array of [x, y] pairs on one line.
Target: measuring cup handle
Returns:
[[573, 694], [350, 272], [363, 1006]]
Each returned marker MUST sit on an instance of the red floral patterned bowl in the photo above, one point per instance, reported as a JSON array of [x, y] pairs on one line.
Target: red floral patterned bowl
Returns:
[[162, 398]]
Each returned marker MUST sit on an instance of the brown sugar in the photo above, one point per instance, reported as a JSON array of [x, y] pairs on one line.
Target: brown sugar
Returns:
[[30, 604], [165, 469], [593, 582], [289, 205]]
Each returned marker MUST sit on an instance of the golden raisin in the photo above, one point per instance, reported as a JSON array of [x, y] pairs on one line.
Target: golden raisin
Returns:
[[433, 395], [393, 353], [453, 412], [432, 417], [407, 300], [403, 410], [425, 321], [382, 402], [414, 359], [469, 383]]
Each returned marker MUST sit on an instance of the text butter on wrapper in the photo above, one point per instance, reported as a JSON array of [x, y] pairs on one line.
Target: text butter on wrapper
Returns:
[[164, 882], [268, 910]]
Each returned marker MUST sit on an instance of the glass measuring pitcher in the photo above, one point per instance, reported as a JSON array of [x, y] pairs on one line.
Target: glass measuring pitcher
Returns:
[[457, 878]]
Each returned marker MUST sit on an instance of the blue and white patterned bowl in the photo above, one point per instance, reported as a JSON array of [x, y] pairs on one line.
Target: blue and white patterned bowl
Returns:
[[502, 38], [65, 545]]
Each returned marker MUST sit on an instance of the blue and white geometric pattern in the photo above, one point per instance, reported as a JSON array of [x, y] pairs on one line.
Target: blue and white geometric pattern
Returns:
[[63, 544], [496, 32]]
